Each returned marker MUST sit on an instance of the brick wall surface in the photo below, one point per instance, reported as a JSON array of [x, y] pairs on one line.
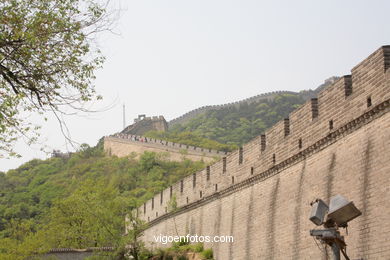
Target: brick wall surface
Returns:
[[345, 146]]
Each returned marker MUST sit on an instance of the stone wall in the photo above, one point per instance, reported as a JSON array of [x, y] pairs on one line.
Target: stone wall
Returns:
[[337, 143], [123, 145]]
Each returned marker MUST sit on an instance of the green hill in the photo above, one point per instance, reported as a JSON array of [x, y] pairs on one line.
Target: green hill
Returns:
[[236, 123], [231, 126], [239, 124], [80, 201], [225, 127]]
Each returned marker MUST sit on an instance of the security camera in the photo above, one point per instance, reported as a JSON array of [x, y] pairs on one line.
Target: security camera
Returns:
[[338, 214], [341, 211], [318, 212]]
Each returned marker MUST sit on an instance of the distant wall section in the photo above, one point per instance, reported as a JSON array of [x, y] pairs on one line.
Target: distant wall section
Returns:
[[123, 145]]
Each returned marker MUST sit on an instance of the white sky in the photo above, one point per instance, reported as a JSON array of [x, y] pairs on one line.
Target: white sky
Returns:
[[175, 56]]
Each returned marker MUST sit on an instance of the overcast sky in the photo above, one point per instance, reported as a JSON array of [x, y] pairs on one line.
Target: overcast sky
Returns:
[[173, 56]]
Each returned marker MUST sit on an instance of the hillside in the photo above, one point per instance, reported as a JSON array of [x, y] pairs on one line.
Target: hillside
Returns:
[[78, 202], [239, 124], [229, 127], [305, 94], [236, 123], [185, 118]]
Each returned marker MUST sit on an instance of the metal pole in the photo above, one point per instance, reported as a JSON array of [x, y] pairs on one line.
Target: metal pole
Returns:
[[124, 117], [335, 251]]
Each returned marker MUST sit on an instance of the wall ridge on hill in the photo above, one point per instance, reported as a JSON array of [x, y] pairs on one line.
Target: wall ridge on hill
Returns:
[[190, 114], [126, 144], [147, 140]]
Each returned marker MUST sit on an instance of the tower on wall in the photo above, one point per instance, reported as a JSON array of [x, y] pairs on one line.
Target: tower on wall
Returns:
[[143, 124]]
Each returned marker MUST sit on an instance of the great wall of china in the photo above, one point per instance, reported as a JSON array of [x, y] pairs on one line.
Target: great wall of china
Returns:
[[130, 141], [337, 143], [123, 145]]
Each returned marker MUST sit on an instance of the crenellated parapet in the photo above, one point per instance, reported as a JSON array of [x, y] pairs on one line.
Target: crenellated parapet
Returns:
[[125, 144], [163, 143], [351, 102]]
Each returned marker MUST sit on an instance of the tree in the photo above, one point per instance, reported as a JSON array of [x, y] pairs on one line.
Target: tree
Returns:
[[134, 229], [22, 242], [92, 216], [82, 201], [47, 61]]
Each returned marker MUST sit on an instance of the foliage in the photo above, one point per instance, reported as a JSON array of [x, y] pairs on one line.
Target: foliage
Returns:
[[207, 254], [92, 215], [135, 228], [80, 201], [47, 61], [180, 249], [172, 203], [236, 125]]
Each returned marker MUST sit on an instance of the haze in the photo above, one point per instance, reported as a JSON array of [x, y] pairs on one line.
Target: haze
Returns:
[[175, 56]]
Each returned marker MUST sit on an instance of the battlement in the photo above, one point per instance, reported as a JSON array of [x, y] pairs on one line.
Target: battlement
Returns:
[[124, 145], [348, 102], [163, 143]]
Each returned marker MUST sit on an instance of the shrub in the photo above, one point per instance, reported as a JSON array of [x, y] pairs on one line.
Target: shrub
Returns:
[[207, 254]]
